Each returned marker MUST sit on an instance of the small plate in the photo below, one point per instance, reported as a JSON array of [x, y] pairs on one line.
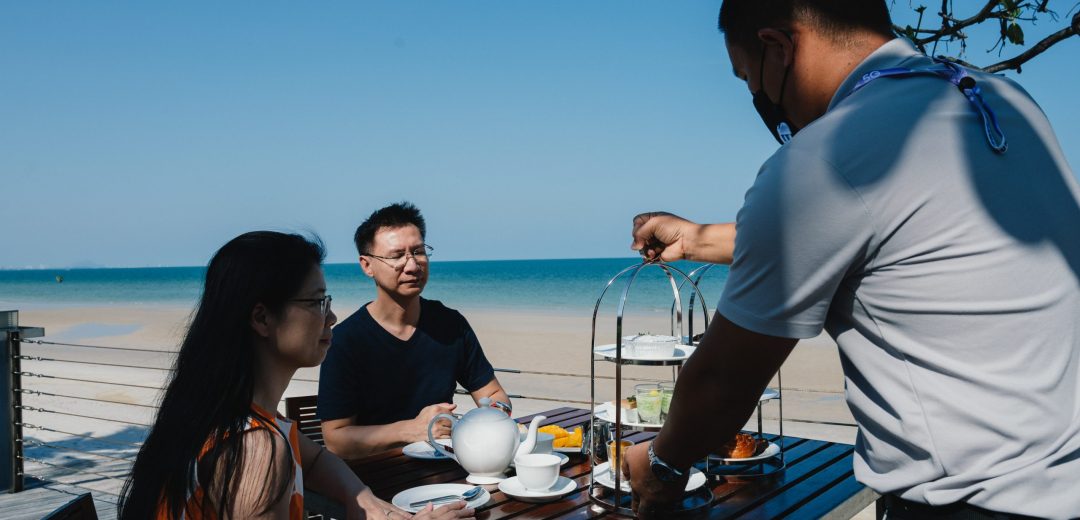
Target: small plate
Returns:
[[769, 452], [571, 450], [606, 412], [422, 450], [563, 459], [417, 494], [602, 475], [682, 353], [513, 488]]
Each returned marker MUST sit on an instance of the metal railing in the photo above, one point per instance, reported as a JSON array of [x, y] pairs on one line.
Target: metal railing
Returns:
[[48, 386]]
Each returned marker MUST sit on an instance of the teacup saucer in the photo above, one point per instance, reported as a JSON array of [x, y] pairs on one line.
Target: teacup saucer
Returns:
[[513, 488]]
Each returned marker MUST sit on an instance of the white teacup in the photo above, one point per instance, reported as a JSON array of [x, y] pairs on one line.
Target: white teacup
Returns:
[[537, 471]]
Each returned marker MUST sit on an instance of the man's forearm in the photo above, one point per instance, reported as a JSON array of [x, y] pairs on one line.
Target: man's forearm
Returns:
[[713, 243], [717, 391], [493, 391], [351, 442]]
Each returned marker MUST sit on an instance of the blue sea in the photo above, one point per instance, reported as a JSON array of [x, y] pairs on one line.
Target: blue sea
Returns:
[[558, 286]]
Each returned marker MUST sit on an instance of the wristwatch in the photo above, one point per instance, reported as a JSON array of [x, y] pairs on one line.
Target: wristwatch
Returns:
[[663, 471]]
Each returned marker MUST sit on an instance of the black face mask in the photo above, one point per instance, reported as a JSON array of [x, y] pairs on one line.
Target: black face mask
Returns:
[[773, 114]]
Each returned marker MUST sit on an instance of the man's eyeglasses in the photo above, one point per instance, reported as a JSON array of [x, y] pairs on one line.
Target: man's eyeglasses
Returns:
[[324, 303], [398, 261]]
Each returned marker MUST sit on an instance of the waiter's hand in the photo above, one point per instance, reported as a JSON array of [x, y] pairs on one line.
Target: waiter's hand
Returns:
[[652, 498], [663, 236]]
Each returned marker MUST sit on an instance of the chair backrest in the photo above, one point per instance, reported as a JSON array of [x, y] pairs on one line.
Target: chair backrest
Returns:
[[82, 508], [302, 409]]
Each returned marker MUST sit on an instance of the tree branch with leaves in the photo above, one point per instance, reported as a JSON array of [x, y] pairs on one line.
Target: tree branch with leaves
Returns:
[[1009, 16]]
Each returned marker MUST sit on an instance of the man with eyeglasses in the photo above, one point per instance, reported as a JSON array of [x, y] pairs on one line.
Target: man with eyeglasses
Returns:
[[394, 364]]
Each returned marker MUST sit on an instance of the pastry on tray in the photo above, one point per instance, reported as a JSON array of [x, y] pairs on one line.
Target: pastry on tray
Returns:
[[743, 446]]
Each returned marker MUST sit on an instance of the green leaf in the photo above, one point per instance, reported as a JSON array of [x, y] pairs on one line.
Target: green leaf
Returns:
[[1015, 34]]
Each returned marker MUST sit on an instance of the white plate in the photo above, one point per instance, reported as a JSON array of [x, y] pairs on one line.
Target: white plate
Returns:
[[602, 475], [573, 450], [417, 494], [769, 452], [516, 490], [563, 459], [422, 450], [606, 412], [682, 352]]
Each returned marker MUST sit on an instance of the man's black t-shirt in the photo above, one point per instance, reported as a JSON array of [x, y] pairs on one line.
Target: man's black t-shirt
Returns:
[[371, 374]]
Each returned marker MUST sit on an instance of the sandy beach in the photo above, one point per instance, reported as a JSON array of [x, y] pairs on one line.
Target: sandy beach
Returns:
[[551, 350]]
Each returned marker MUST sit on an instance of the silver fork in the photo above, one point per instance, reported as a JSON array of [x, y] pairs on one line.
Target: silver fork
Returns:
[[468, 495]]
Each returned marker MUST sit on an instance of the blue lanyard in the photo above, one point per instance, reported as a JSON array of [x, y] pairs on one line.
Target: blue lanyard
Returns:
[[957, 76]]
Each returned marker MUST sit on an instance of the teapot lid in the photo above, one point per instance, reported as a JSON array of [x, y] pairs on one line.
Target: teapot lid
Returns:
[[485, 413]]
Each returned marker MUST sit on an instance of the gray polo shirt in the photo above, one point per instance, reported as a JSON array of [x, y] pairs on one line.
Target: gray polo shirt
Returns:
[[947, 274]]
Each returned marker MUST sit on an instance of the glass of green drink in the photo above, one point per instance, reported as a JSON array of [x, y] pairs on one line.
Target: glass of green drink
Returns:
[[648, 402], [666, 391]]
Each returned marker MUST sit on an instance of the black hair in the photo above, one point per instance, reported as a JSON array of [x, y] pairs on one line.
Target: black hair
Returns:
[[207, 402], [393, 216], [740, 20]]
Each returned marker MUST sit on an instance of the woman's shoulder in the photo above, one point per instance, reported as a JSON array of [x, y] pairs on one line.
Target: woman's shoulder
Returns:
[[266, 469]]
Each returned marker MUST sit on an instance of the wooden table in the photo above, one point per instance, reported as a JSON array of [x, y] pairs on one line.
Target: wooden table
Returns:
[[818, 482]]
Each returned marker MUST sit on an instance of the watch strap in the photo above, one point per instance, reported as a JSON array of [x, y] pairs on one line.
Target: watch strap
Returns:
[[657, 461]]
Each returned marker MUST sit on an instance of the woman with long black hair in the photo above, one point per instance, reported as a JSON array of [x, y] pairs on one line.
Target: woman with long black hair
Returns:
[[218, 449]]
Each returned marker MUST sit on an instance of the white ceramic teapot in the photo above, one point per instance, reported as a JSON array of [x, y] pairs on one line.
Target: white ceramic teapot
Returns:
[[485, 441]]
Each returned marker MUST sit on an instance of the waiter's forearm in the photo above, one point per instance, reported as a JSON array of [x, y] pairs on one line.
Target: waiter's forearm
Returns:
[[717, 391], [712, 243]]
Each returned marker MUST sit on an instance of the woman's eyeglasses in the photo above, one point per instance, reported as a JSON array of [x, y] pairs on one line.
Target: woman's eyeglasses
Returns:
[[324, 303], [421, 255]]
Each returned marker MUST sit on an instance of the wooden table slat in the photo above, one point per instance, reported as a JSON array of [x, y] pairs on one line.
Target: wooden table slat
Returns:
[[843, 500], [795, 496]]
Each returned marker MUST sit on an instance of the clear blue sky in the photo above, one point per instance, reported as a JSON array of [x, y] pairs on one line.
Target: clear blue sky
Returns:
[[146, 133]]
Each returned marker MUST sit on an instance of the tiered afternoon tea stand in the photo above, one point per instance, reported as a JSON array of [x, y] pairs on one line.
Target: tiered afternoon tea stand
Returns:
[[615, 498], [612, 496]]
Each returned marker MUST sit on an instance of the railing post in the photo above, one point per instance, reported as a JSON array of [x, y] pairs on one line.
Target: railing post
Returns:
[[11, 440]]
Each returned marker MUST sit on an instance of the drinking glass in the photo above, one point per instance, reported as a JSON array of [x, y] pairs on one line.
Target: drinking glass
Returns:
[[615, 454], [666, 391], [648, 402]]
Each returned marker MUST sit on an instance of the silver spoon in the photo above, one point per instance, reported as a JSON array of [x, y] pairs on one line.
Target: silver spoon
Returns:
[[468, 495]]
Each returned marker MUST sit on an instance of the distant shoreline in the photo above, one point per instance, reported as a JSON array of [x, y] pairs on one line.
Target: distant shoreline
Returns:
[[628, 259]]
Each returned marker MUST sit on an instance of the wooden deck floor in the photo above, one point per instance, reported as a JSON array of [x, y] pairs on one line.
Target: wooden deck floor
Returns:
[[41, 498]]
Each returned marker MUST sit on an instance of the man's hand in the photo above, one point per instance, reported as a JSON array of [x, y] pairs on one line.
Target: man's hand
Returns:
[[418, 429], [662, 236], [652, 498]]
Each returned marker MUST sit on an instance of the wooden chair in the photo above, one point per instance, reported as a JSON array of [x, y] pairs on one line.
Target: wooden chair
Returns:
[[82, 508], [302, 409]]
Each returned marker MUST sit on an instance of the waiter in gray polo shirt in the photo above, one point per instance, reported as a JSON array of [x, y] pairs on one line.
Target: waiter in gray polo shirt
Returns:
[[925, 217]]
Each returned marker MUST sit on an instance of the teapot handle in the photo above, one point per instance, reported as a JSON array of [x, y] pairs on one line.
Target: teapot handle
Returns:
[[431, 438]]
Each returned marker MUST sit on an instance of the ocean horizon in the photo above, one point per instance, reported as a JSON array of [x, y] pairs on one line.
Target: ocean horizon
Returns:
[[559, 286]]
